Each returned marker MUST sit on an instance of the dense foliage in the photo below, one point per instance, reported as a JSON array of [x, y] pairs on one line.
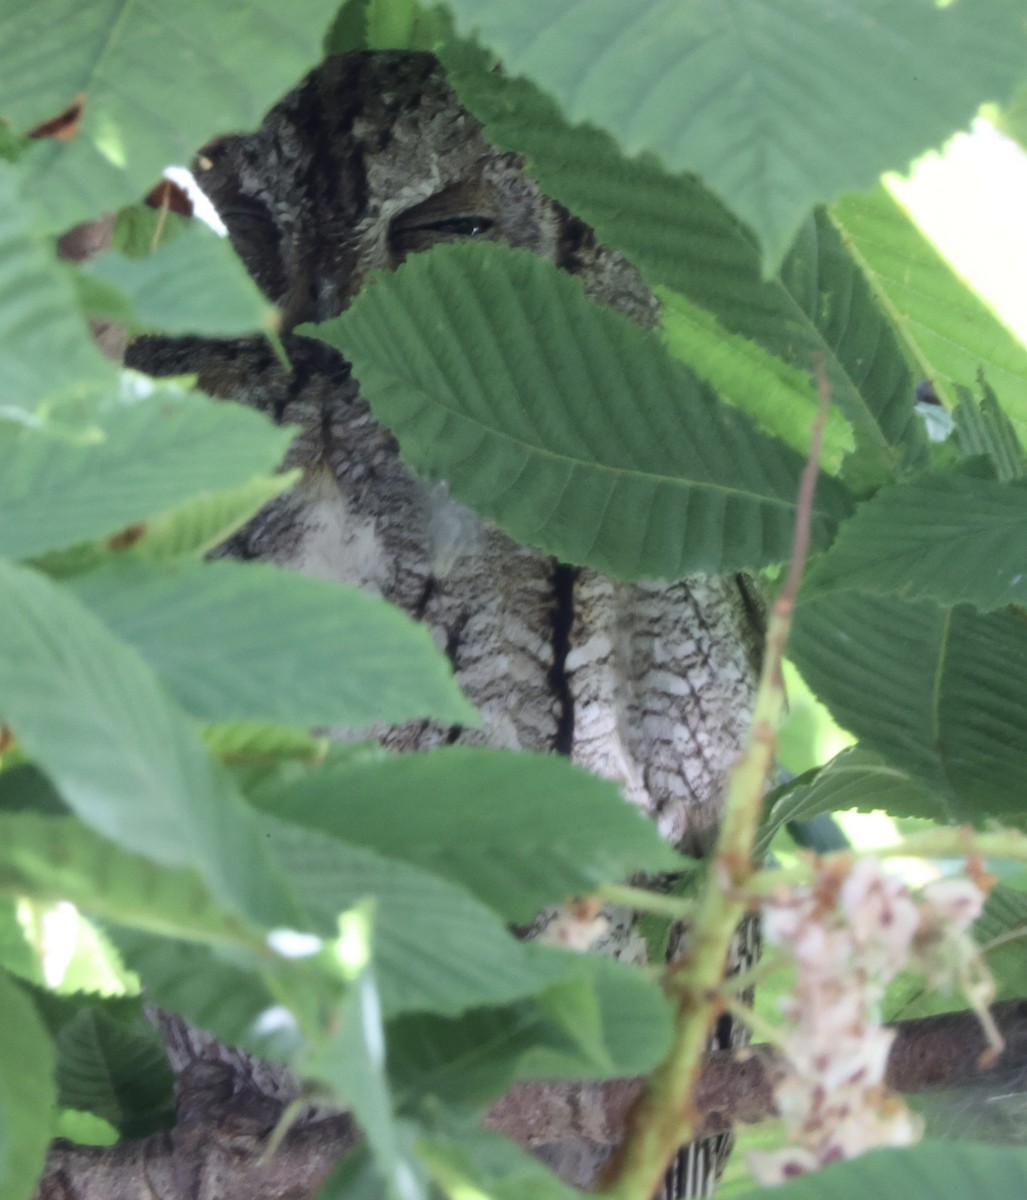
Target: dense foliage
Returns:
[[157, 707]]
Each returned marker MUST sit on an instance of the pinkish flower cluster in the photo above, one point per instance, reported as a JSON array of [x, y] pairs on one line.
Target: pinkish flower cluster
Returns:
[[849, 935]]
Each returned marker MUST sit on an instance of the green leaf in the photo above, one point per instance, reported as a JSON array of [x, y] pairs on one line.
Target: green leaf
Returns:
[[139, 229], [476, 1058], [28, 1095], [922, 1172], [982, 428], [753, 97], [1012, 120], [466, 1160], [58, 858], [945, 328], [948, 687], [142, 455], [470, 1059], [49, 358], [202, 522], [262, 743], [230, 65], [1001, 931], [236, 640], [856, 778], [224, 996], [682, 238], [565, 422], [486, 819], [630, 1021], [775, 393], [16, 955], [110, 1061], [437, 948], [84, 1129], [194, 283], [946, 535], [350, 1057], [123, 756]]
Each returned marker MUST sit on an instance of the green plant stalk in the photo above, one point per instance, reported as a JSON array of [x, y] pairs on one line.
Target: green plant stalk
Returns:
[[943, 842], [641, 900], [666, 1117]]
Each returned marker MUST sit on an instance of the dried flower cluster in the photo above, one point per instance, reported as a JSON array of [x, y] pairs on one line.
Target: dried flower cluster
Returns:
[[849, 935]]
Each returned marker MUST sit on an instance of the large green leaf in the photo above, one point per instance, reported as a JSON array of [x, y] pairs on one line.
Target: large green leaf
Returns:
[[202, 522], [91, 713], [155, 83], [682, 238], [110, 1060], [51, 858], [856, 778], [518, 830], [565, 422], [466, 1160], [475, 1058], [947, 535], [142, 454], [922, 1172], [949, 689], [195, 283], [349, 1056], [945, 328], [437, 948], [235, 640], [224, 995], [28, 1095], [777, 394], [982, 428], [48, 357], [1001, 930], [777, 106]]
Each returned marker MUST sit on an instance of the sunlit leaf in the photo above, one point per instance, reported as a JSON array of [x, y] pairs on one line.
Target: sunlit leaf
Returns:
[[155, 83], [777, 106], [946, 329]]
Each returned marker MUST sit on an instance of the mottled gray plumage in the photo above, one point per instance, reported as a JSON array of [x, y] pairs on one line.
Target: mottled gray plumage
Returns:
[[650, 684]]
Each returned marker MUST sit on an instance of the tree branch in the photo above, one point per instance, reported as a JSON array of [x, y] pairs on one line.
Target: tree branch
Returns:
[[216, 1150]]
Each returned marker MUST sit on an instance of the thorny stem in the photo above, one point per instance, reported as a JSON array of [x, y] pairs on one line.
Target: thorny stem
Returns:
[[665, 1117]]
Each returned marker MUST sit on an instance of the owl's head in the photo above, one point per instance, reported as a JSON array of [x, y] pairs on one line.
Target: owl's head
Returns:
[[370, 159]]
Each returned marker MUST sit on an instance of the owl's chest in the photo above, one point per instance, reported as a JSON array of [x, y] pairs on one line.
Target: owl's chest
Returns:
[[644, 683]]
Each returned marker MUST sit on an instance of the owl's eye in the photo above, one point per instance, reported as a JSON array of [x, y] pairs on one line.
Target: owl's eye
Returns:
[[423, 227], [460, 226]]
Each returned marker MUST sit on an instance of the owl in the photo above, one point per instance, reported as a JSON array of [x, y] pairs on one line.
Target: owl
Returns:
[[372, 158]]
